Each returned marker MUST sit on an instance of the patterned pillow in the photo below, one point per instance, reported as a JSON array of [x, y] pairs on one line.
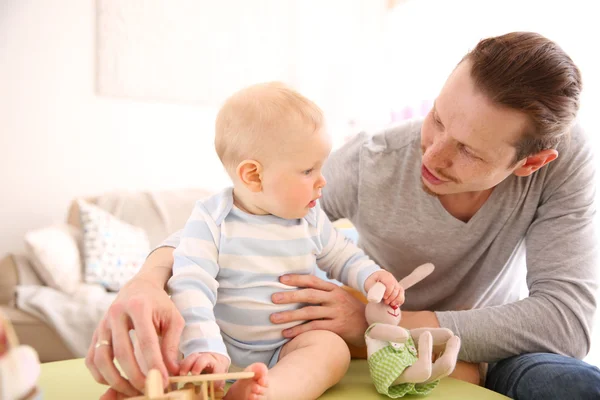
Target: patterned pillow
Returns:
[[113, 251]]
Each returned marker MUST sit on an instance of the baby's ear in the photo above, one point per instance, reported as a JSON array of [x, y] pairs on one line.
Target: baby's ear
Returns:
[[376, 293], [249, 173]]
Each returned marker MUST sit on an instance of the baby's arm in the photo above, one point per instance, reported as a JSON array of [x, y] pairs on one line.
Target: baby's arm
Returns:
[[394, 293], [212, 363], [193, 285], [340, 258]]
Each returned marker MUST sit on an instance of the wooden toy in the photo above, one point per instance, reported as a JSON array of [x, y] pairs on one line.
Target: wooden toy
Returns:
[[194, 387]]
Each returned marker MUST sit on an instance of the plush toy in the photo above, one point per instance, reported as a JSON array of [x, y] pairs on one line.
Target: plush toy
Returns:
[[398, 367], [19, 366]]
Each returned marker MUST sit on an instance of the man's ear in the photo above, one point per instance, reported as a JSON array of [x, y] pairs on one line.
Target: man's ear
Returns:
[[249, 172], [535, 162]]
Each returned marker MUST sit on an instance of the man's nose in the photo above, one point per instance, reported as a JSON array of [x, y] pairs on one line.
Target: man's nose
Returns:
[[439, 154]]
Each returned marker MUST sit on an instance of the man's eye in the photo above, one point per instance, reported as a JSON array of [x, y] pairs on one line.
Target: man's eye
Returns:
[[466, 151]]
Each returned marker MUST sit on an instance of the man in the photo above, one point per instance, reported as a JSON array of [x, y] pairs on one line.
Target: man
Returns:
[[495, 178]]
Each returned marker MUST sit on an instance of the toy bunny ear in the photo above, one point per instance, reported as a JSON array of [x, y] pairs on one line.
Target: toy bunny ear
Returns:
[[417, 275], [376, 293]]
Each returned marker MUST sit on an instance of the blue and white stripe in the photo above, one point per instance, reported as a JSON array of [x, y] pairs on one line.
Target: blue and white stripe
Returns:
[[227, 267]]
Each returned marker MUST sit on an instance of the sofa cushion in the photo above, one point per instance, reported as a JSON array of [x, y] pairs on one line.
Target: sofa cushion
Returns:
[[26, 271], [158, 213], [55, 256], [113, 250]]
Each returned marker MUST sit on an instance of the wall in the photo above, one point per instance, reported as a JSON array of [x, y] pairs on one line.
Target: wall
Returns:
[[59, 140]]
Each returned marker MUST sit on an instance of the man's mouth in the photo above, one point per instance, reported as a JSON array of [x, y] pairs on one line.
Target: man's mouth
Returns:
[[430, 177]]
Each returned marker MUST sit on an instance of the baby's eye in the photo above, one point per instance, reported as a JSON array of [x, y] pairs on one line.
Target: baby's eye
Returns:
[[307, 172]]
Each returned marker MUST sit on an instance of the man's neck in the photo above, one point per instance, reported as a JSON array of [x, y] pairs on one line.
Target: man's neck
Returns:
[[463, 206]]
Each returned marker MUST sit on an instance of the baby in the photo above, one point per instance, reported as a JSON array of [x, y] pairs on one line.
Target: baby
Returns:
[[236, 245]]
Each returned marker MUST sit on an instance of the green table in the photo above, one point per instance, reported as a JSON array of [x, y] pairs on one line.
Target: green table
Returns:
[[65, 380]]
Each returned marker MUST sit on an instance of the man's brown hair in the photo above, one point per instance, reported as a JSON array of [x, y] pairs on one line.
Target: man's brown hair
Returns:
[[527, 72]]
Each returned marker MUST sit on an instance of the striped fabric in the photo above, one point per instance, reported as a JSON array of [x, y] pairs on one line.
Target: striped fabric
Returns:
[[227, 267]]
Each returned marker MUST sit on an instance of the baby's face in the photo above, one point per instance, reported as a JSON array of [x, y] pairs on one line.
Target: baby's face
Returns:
[[292, 182]]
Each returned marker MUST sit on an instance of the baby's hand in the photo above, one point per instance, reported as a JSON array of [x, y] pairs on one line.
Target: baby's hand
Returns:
[[394, 293], [212, 363]]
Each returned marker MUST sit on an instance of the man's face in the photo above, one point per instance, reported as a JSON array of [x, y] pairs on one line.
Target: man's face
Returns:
[[468, 142]]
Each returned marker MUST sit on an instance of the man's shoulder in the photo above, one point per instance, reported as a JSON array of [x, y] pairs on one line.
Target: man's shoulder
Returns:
[[579, 137], [379, 146], [575, 151], [397, 137], [573, 170]]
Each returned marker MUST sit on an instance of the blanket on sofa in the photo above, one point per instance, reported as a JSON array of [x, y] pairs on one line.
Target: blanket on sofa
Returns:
[[74, 317]]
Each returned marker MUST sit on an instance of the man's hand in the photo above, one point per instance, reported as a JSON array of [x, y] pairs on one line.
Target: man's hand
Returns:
[[468, 372], [145, 307], [329, 308]]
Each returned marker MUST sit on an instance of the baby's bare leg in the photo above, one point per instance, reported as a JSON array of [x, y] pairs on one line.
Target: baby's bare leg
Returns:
[[309, 365]]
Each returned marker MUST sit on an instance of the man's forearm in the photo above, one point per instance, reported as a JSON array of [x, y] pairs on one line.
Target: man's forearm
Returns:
[[158, 267], [464, 371], [419, 319], [535, 324]]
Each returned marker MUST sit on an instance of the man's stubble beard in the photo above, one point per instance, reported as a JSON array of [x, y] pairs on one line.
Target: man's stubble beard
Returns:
[[429, 191]]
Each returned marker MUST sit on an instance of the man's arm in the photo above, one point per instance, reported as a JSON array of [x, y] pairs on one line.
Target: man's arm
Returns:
[[158, 267], [562, 251], [143, 302]]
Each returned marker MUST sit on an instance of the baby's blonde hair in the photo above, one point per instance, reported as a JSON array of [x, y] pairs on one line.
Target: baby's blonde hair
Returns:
[[256, 122]]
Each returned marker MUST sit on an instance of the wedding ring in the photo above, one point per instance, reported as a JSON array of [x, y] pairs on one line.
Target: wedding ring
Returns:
[[102, 343]]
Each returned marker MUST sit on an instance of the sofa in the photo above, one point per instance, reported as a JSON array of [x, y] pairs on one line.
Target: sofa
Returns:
[[157, 213]]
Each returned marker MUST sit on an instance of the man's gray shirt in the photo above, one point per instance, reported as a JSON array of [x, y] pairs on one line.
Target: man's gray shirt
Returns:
[[544, 222]]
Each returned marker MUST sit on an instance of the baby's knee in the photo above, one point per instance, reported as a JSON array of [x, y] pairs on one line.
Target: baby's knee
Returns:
[[332, 346], [325, 344]]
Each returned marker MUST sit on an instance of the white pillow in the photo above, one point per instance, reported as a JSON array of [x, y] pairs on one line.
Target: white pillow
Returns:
[[55, 257], [113, 250]]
